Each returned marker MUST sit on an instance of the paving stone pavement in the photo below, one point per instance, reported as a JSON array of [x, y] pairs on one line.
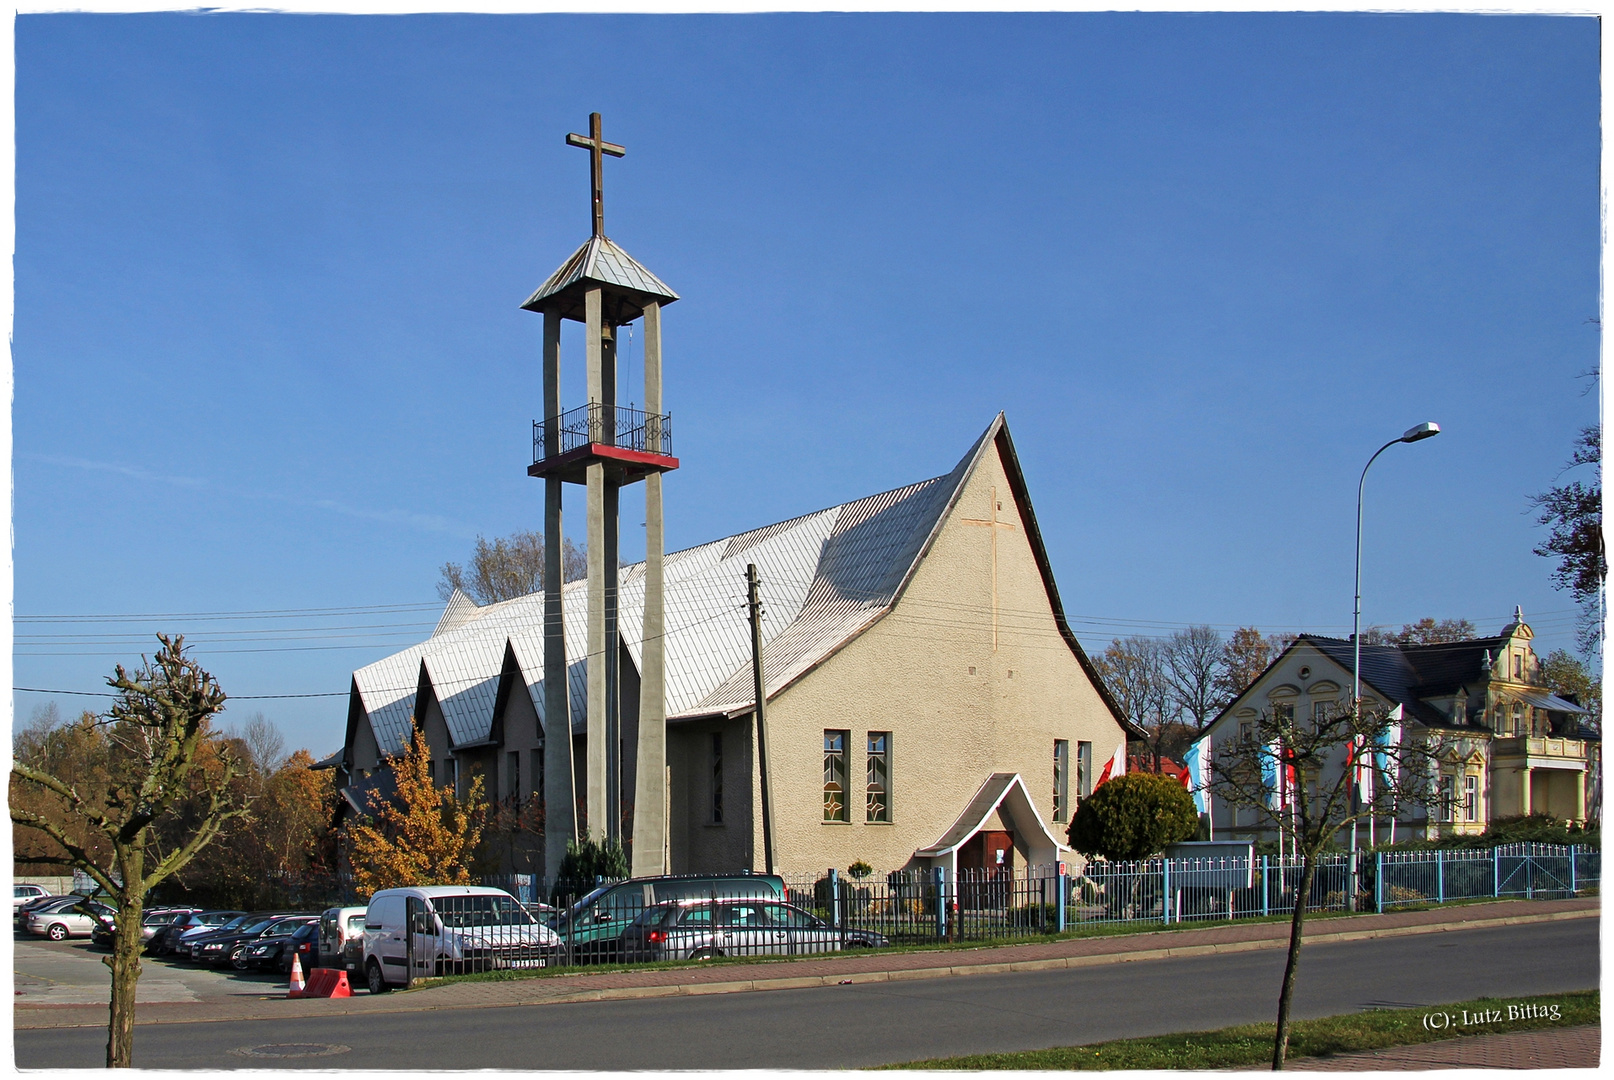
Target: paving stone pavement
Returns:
[[1545, 1048], [829, 970]]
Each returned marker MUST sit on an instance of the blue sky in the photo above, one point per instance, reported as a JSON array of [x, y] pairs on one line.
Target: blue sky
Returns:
[[268, 355]]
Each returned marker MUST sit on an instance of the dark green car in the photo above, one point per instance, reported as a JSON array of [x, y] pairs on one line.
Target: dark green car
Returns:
[[592, 928]]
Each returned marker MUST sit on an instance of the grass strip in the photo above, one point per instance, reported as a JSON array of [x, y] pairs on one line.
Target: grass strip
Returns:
[[1250, 1045]]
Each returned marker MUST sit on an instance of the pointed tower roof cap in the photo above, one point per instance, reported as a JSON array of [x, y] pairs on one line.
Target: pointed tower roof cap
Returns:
[[627, 285]]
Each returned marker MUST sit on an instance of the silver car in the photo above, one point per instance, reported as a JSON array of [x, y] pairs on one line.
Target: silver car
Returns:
[[60, 920], [703, 929]]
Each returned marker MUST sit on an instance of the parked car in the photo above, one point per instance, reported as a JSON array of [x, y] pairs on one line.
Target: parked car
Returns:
[[30, 906], [21, 894], [151, 923], [592, 928], [73, 917], [226, 946], [703, 929], [293, 937], [444, 929], [341, 939], [176, 938]]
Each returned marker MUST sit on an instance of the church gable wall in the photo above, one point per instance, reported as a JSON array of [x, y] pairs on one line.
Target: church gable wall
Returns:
[[956, 709], [365, 754]]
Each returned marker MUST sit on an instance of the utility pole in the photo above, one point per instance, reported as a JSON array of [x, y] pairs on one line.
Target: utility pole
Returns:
[[754, 590]]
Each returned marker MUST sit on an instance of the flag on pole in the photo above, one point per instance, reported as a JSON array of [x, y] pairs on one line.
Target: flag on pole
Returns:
[[1363, 764], [1195, 767], [1390, 736], [1114, 767], [1271, 776]]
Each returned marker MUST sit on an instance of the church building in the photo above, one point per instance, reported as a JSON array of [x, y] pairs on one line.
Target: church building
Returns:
[[926, 703]]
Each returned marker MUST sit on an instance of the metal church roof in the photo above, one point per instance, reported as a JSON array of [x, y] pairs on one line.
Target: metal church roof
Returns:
[[826, 576], [600, 262]]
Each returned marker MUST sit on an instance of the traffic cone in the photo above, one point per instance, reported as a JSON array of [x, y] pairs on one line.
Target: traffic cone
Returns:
[[297, 984]]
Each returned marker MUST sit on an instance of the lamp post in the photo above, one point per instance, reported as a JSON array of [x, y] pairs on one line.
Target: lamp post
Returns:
[[1425, 430]]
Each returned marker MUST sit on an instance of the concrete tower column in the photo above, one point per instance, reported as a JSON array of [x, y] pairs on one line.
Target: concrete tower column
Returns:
[[612, 654], [650, 788], [595, 476], [560, 802]]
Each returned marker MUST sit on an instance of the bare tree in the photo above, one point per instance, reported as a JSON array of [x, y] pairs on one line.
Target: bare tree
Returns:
[[1246, 654], [265, 745], [1300, 774], [508, 567], [1135, 671], [156, 733], [1194, 662]]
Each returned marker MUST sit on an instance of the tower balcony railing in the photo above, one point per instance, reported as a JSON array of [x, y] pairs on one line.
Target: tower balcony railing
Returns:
[[622, 426]]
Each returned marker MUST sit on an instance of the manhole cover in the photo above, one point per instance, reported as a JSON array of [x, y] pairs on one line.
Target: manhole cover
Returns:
[[291, 1050]]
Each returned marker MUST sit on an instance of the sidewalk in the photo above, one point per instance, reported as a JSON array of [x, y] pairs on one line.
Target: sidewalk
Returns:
[[1550, 1048], [834, 969]]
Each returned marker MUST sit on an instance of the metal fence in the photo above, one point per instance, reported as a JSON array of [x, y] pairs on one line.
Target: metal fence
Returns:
[[1532, 871], [831, 911], [614, 425]]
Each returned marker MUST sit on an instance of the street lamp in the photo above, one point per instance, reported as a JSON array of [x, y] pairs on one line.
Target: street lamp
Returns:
[[1425, 430]]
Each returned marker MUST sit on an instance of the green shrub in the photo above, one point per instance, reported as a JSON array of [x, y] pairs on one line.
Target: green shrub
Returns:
[[1133, 817]]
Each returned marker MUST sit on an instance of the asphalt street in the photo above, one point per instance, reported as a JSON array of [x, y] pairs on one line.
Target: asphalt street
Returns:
[[875, 1023]]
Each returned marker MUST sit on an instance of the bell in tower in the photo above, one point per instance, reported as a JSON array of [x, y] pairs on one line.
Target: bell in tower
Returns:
[[605, 447]]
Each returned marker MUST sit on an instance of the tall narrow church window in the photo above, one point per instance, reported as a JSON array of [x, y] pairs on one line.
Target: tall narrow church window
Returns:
[[835, 775], [1061, 778], [451, 774], [538, 775], [1084, 769], [717, 778], [877, 792], [513, 790]]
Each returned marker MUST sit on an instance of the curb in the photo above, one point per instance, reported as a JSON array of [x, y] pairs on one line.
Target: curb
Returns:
[[802, 982]]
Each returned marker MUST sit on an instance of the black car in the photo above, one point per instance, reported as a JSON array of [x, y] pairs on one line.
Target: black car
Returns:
[[277, 949], [168, 941], [226, 947]]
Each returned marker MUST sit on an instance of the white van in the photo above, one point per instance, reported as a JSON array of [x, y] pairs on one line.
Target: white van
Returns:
[[422, 931]]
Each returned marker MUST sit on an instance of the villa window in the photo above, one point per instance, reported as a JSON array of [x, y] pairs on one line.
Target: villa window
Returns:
[[1518, 665], [1246, 731], [1471, 798], [877, 790], [835, 785], [1084, 769], [1445, 802]]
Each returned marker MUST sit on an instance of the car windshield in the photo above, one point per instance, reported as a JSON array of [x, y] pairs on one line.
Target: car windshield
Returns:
[[232, 923], [258, 927], [462, 911], [581, 906]]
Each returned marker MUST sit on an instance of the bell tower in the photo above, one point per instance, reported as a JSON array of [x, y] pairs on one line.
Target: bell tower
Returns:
[[605, 447]]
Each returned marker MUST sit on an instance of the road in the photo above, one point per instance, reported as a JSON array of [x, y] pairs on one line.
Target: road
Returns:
[[875, 1023]]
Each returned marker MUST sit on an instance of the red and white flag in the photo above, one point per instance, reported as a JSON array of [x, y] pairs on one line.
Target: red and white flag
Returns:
[[1114, 767]]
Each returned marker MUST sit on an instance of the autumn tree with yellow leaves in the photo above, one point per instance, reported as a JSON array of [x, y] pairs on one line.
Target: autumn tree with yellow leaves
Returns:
[[424, 835]]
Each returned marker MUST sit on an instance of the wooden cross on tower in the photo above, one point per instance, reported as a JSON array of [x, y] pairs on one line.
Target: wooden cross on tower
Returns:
[[994, 525], [597, 146]]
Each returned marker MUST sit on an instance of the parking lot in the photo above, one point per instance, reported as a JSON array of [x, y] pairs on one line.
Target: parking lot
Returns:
[[71, 973]]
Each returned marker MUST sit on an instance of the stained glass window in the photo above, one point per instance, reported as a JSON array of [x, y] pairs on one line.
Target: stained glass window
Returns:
[[877, 792], [835, 776], [1061, 779], [717, 777]]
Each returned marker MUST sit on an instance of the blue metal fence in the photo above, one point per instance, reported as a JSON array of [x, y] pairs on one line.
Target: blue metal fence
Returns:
[[912, 906]]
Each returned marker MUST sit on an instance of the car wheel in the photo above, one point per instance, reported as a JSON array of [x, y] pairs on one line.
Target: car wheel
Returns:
[[57, 932], [705, 954], [239, 961], [373, 978]]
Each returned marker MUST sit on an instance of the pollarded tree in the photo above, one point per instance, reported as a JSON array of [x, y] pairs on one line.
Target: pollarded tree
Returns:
[[120, 822], [426, 835], [1133, 816], [1301, 775]]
